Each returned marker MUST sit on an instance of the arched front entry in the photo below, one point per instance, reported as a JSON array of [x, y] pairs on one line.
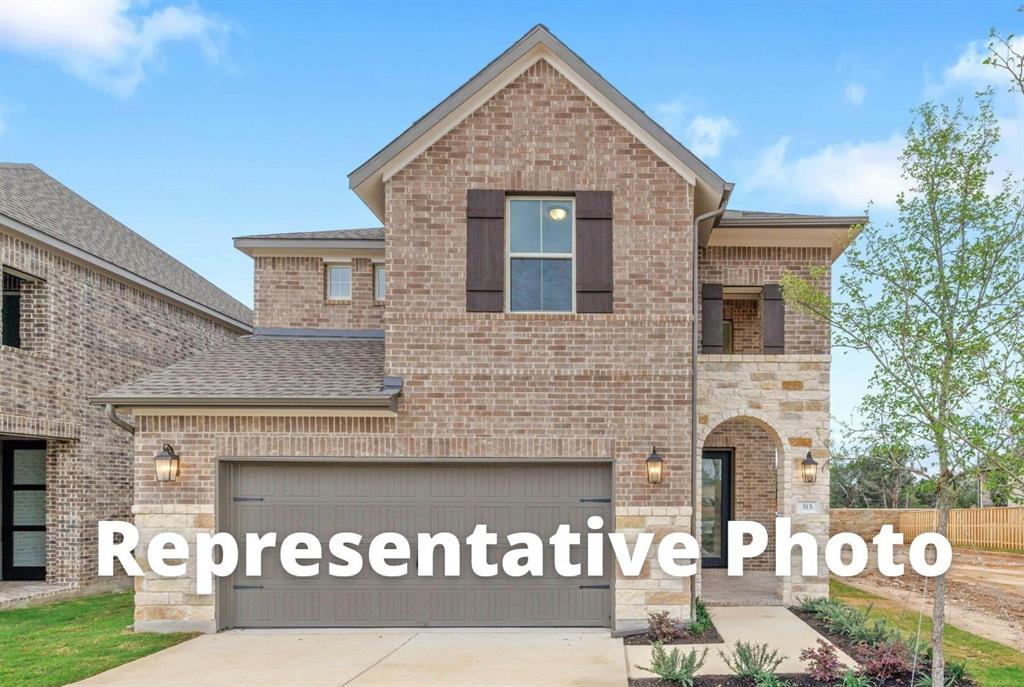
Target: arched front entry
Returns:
[[741, 472]]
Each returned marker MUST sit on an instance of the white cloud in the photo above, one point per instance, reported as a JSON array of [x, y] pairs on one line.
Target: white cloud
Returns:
[[703, 134], [969, 71], [854, 93], [844, 175], [108, 43]]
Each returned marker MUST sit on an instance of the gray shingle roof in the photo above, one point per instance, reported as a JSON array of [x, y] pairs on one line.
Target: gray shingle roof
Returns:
[[739, 216], [30, 196], [259, 369], [370, 234]]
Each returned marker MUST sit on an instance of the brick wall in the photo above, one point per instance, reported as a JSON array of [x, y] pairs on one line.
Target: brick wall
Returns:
[[291, 292], [85, 333], [757, 266], [746, 325]]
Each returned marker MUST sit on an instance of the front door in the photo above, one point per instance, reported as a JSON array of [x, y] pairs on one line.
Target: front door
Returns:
[[716, 507], [23, 514]]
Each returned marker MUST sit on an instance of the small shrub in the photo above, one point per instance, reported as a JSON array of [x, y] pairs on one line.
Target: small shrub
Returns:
[[822, 661], [752, 660], [852, 678], [883, 661], [955, 674], [770, 680], [663, 628], [675, 666], [702, 622], [819, 605]]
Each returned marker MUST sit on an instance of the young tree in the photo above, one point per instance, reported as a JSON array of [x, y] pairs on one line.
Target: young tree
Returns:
[[937, 301]]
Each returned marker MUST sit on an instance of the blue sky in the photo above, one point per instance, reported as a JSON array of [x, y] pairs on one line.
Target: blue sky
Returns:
[[195, 122]]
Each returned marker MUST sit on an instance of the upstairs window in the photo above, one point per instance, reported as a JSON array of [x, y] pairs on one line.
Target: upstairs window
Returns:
[[339, 282], [380, 286], [541, 247], [11, 310]]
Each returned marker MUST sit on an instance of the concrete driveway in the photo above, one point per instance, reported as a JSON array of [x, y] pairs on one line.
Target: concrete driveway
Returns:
[[381, 658]]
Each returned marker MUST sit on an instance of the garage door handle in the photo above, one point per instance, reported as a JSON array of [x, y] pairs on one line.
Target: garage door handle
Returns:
[[606, 500], [247, 498], [595, 586], [248, 586]]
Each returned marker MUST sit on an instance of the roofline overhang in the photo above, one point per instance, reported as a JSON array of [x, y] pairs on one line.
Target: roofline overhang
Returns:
[[242, 402], [251, 246], [97, 262], [783, 223], [367, 179]]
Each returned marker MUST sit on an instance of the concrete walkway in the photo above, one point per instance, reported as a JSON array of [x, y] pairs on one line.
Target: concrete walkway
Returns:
[[381, 658], [773, 625]]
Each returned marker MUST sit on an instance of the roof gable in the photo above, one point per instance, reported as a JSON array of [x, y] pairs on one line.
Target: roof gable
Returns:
[[539, 43]]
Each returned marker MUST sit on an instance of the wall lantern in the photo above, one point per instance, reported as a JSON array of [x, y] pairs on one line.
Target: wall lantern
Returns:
[[809, 468], [654, 465], [166, 463]]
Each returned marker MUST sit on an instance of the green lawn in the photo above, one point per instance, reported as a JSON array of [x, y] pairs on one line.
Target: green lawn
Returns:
[[990, 663], [66, 641]]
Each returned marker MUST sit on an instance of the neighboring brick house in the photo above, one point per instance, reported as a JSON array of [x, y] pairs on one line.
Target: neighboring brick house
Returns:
[[506, 349], [87, 304]]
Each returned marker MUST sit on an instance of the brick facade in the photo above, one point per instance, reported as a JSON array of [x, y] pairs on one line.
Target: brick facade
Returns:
[[520, 385], [291, 292], [83, 333]]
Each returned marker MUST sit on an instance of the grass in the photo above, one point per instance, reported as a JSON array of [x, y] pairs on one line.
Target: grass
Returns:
[[65, 641], [990, 663]]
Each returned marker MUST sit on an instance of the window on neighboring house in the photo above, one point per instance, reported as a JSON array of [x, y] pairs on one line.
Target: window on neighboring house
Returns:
[[380, 283], [726, 336], [541, 244], [11, 310], [339, 282]]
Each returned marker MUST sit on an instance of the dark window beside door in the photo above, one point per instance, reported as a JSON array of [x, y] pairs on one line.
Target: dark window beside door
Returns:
[[11, 309]]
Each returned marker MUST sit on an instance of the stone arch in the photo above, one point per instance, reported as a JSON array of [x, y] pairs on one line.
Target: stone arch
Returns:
[[758, 492]]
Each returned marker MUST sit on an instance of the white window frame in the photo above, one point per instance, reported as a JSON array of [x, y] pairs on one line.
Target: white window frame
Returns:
[[328, 266], [543, 256], [377, 265]]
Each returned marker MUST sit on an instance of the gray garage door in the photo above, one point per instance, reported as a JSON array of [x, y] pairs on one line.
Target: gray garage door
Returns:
[[410, 498]]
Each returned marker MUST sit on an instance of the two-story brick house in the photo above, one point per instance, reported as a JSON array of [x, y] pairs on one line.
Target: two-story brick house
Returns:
[[87, 304], [506, 349]]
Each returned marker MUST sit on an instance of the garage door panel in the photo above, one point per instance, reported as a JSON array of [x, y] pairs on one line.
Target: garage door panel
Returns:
[[324, 499]]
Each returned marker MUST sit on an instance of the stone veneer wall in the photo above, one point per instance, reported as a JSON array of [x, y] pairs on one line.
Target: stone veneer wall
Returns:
[[787, 396], [291, 292], [86, 333]]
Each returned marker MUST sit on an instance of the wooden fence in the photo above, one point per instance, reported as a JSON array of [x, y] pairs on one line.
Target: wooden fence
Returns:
[[991, 528]]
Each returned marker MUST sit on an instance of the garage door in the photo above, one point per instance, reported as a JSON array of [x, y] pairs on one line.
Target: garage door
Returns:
[[410, 498]]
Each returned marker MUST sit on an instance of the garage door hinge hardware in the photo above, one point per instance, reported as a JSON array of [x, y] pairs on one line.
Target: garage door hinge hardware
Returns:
[[247, 498], [595, 586], [248, 586], [607, 500]]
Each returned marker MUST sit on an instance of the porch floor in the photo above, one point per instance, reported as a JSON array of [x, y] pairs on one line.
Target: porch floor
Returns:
[[755, 588], [15, 594]]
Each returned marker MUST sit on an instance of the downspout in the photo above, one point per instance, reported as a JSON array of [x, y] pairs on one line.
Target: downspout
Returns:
[[118, 420], [694, 341]]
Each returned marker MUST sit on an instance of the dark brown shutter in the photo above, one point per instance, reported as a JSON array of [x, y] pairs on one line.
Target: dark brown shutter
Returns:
[[485, 250], [711, 318], [594, 266], [773, 319]]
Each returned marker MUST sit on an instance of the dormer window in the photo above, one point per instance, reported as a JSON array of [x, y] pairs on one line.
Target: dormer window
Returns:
[[339, 282], [541, 247]]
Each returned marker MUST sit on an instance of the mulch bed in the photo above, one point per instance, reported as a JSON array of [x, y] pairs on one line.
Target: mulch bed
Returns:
[[796, 680], [821, 628], [710, 636]]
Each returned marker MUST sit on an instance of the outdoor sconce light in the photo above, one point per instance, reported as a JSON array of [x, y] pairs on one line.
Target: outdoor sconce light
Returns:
[[654, 465], [809, 468], [166, 463]]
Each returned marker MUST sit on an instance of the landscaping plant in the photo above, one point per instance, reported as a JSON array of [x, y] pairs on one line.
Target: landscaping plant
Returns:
[[770, 680], [675, 666], [661, 627], [851, 678], [822, 661], [752, 660], [702, 619], [883, 660]]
